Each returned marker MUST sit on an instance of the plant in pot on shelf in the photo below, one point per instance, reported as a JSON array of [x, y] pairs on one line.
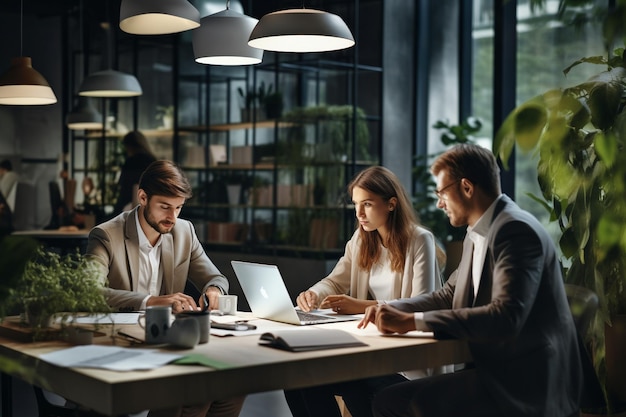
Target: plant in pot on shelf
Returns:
[[273, 104], [165, 114], [577, 136], [57, 288], [253, 102], [425, 200]]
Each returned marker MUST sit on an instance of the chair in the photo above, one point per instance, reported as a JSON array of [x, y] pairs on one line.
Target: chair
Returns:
[[583, 305]]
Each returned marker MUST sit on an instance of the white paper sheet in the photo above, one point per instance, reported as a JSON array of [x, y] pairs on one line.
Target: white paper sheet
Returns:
[[109, 357]]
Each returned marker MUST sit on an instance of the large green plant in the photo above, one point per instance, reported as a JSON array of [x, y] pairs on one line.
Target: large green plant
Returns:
[[577, 136]]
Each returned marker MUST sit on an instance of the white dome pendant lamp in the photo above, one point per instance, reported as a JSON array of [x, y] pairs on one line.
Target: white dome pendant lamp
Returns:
[[222, 39], [157, 17], [301, 30], [110, 83], [21, 84]]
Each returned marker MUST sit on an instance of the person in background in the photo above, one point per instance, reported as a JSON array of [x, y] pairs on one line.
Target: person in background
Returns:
[[138, 157], [8, 177], [147, 255], [389, 256], [506, 299]]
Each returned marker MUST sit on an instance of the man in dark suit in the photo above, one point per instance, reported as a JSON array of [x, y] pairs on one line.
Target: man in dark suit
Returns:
[[148, 254], [506, 299]]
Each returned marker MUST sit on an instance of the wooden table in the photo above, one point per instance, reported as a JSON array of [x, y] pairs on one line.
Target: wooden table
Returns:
[[250, 368]]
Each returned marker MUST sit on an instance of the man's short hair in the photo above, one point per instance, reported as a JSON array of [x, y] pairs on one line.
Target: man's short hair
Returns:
[[473, 162], [165, 178], [6, 164]]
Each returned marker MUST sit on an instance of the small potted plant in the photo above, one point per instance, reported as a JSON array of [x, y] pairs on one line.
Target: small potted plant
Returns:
[[166, 115], [254, 102], [57, 287]]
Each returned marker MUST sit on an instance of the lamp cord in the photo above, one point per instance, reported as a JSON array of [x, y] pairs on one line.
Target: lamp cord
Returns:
[[21, 27]]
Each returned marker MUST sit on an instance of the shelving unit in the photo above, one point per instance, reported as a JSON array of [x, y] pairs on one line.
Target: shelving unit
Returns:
[[261, 186]]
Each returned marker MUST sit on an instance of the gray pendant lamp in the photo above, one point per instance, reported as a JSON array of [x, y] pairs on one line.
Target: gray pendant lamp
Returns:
[[110, 83], [157, 17], [222, 39], [84, 115], [301, 30], [21, 84]]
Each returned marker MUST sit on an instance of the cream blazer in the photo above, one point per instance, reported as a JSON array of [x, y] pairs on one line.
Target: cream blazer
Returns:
[[421, 271]]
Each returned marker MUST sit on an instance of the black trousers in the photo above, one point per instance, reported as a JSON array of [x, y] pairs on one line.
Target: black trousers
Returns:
[[319, 401], [454, 394]]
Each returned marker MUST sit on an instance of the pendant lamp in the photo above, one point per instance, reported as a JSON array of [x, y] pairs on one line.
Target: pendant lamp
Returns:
[[157, 17], [301, 30], [84, 115], [109, 82], [21, 84], [222, 39]]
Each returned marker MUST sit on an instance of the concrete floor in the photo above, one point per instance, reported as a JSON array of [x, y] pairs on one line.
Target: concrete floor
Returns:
[[267, 404]]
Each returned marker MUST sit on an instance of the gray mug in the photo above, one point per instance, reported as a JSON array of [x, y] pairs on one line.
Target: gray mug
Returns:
[[204, 322]]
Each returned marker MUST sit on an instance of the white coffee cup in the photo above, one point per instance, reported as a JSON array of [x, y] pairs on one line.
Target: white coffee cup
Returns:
[[204, 322], [157, 323], [227, 304]]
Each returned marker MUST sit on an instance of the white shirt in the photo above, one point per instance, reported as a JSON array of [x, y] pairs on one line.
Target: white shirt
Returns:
[[478, 235], [150, 271], [381, 276]]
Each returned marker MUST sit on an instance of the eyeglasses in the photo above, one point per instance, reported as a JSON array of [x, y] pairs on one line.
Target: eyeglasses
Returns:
[[440, 193]]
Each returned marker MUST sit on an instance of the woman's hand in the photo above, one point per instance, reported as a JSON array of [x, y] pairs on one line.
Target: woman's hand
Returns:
[[344, 304], [307, 300]]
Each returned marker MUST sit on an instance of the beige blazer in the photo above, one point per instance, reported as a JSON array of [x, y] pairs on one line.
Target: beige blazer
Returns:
[[421, 271], [114, 245]]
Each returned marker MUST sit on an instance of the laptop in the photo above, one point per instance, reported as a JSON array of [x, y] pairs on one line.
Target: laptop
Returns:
[[269, 299]]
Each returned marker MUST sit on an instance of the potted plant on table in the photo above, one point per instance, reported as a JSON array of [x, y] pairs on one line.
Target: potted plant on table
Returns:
[[58, 288], [577, 136]]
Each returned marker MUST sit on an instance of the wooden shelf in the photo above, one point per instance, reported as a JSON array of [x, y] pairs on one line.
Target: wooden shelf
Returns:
[[235, 126]]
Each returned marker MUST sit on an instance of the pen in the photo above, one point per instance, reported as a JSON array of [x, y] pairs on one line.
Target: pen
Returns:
[[128, 336]]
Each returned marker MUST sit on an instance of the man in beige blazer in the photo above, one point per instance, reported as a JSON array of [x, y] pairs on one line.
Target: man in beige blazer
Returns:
[[147, 255]]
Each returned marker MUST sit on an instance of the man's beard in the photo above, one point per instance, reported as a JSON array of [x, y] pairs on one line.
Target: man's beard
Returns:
[[156, 226]]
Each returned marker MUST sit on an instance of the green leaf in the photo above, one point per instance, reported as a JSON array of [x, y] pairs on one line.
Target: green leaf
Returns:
[[607, 148], [530, 120], [568, 243], [604, 101]]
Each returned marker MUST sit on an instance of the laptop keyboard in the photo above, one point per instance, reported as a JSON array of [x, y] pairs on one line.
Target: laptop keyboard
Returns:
[[310, 317]]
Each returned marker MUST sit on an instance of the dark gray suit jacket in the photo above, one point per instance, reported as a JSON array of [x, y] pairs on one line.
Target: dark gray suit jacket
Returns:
[[114, 245], [520, 330]]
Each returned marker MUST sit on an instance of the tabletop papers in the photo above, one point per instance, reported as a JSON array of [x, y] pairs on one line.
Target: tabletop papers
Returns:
[[109, 357]]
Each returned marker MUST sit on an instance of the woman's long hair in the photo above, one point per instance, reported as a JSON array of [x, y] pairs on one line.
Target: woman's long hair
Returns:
[[400, 222]]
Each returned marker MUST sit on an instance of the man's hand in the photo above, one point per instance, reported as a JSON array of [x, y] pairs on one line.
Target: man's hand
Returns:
[[344, 304], [213, 293], [388, 319], [307, 300], [369, 317], [180, 302]]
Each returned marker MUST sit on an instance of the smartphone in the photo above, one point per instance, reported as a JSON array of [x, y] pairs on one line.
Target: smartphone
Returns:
[[238, 326]]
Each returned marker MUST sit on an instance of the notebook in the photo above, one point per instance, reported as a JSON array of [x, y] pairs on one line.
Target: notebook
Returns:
[[269, 299]]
